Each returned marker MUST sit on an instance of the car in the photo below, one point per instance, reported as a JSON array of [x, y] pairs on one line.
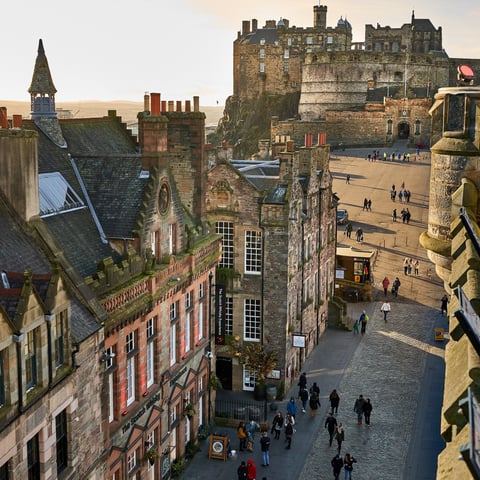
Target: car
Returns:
[[342, 216]]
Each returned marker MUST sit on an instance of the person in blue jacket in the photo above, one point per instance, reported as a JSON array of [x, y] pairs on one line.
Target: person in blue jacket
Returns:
[[292, 407]]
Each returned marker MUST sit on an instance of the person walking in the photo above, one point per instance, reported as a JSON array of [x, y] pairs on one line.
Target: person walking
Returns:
[[348, 230], [369, 205], [394, 215], [331, 426], [277, 425], [242, 471], [315, 389], [334, 401], [365, 204], [337, 465], [251, 470], [385, 308], [251, 428], [348, 462], [340, 436], [358, 408], [406, 262], [302, 382], [416, 264], [445, 301], [356, 325], [367, 410], [363, 322], [314, 403], [348, 178], [396, 286], [242, 437], [265, 446], [292, 407], [385, 284], [359, 234], [289, 423], [303, 394]]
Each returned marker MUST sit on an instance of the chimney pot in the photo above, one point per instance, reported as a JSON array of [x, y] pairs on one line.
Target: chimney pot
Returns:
[[196, 104], [179, 106], [164, 106], [155, 101], [17, 121], [3, 117], [188, 106]]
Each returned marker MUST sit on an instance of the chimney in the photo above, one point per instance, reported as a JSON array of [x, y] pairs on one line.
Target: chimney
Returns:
[[164, 106], [17, 121], [188, 107], [245, 27], [146, 102], [179, 105], [290, 146], [155, 101], [308, 139], [171, 106], [254, 25], [196, 104], [3, 117]]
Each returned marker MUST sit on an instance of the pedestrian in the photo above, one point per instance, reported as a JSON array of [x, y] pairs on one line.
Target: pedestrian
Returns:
[[337, 464], [277, 425], [365, 204], [407, 216], [402, 186], [314, 403], [348, 462], [292, 407], [367, 410], [394, 215], [396, 286], [356, 324], [340, 436], [385, 308], [416, 264], [251, 470], [334, 401], [363, 322], [348, 230], [348, 178], [385, 284], [289, 430], [331, 426], [303, 394], [406, 262], [242, 437], [445, 301], [369, 205], [409, 268], [315, 389], [400, 196], [358, 408], [242, 471], [302, 382], [359, 234], [265, 446]]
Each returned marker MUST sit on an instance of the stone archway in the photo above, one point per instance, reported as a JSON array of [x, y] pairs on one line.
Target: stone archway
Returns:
[[403, 131]]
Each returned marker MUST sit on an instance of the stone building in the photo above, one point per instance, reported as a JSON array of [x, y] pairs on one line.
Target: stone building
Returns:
[[123, 221], [277, 221], [452, 243]]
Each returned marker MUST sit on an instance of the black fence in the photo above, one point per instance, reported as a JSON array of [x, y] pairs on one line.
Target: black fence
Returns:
[[241, 410]]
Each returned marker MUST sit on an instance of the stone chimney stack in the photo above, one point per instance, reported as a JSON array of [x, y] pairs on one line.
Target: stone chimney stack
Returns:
[[245, 27], [3, 117]]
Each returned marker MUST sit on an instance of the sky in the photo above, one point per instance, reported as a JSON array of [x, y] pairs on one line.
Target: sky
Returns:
[[111, 50]]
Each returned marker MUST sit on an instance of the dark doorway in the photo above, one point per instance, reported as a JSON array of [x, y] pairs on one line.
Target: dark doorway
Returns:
[[403, 131], [224, 372]]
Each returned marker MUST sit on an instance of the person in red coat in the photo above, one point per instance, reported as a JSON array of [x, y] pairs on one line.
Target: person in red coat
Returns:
[[251, 470]]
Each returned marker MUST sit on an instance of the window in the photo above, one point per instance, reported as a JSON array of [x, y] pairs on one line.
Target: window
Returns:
[[187, 336], [251, 319], [31, 360], [395, 47], [286, 54], [131, 461], [201, 290], [389, 127], [249, 379], [262, 53], [201, 307], [262, 41], [154, 243], [173, 340], [61, 441], [229, 315], [150, 351], [60, 320], [262, 68], [2, 378], [111, 397], [417, 127], [33, 459], [173, 311], [172, 243], [253, 251], [309, 40], [188, 300], [130, 347], [329, 40], [377, 47], [289, 42], [225, 229], [4, 472], [286, 67]]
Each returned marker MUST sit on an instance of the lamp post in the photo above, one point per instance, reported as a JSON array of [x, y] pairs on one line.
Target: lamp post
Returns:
[[209, 346]]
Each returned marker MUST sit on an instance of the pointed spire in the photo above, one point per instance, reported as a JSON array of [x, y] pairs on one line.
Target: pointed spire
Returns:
[[42, 83]]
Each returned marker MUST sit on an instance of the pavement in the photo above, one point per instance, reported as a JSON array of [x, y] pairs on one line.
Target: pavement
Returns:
[[398, 364]]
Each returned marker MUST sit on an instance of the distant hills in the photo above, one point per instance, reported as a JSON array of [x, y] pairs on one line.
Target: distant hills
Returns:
[[86, 109]]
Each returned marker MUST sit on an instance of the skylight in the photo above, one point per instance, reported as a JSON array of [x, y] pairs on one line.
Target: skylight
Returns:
[[56, 195]]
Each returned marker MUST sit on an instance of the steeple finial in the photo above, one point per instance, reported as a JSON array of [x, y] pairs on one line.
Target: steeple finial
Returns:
[[42, 83]]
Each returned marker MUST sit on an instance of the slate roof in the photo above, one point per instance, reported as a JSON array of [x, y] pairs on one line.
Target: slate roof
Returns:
[[42, 81], [270, 35]]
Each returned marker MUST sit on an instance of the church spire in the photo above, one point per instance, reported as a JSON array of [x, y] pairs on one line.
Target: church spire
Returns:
[[42, 90]]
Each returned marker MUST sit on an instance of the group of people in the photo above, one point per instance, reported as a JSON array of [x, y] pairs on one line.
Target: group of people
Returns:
[[367, 204], [410, 265], [395, 286]]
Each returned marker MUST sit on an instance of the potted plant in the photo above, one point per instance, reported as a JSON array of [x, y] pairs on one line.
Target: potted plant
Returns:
[[151, 455], [189, 410]]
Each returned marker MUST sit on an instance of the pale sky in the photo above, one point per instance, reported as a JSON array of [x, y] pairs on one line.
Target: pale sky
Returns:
[[118, 49]]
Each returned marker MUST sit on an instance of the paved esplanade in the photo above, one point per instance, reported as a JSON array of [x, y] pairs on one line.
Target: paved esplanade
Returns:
[[398, 365]]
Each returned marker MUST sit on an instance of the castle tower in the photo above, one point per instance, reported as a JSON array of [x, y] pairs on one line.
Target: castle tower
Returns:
[[42, 90], [320, 16], [455, 155]]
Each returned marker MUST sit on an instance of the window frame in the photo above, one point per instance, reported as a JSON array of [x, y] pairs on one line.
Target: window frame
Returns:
[[252, 323]]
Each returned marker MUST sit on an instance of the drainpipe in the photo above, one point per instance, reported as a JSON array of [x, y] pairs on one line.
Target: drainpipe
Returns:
[[18, 339]]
